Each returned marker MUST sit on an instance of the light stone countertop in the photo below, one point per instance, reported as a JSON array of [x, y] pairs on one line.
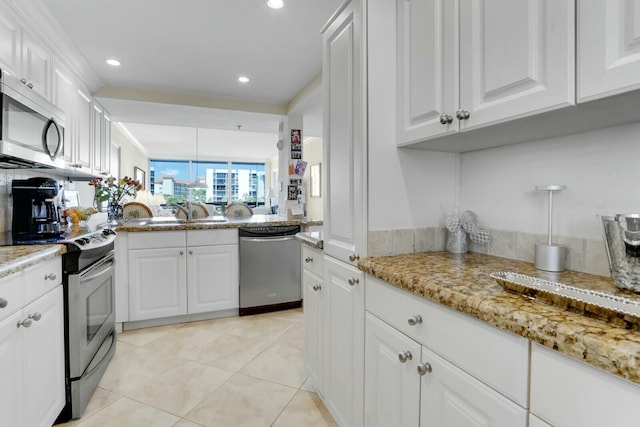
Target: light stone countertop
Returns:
[[462, 282], [311, 238], [17, 258], [209, 223]]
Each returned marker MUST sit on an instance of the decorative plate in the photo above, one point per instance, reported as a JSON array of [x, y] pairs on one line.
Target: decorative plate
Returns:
[[591, 303], [237, 210], [135, 210]]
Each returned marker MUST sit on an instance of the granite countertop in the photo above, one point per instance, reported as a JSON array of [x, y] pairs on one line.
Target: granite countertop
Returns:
[[462, 282], [311, 238], [17, 258], [209, 223]]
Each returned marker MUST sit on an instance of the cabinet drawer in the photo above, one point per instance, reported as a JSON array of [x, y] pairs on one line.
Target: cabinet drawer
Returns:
[[212, 237], [497, 358], [157, 239], [568, 393], [312, 260], [11, 294], [41, 278]]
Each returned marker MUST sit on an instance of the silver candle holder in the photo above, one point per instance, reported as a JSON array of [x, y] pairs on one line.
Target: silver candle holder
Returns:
[[550, 256]]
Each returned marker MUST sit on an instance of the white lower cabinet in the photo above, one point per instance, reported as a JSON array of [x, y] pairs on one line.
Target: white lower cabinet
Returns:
[[32, 358], [344, 343], [313, 300], [157, 285], [408, 385], [176, 273], [568, 393]]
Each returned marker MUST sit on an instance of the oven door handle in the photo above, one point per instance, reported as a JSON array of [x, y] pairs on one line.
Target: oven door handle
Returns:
[[98, 268]]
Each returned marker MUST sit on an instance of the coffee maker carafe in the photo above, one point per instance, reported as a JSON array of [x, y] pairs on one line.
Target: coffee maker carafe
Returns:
[[35, 210]]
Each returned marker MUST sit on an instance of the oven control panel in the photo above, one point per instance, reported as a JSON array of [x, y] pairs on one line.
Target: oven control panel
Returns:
[[94, 240]]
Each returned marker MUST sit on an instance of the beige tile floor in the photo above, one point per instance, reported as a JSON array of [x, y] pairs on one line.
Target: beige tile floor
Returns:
[[239, 371]]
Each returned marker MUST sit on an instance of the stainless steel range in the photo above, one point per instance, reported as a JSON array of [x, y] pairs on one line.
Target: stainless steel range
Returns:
[[90, 341]]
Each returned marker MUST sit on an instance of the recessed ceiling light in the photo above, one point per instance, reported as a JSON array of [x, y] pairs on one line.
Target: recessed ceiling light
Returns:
[[275, 4], [244, 79], [113, 62]]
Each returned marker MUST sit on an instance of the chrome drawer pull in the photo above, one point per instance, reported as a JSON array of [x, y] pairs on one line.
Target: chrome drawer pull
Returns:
[[424, 369], [415, 320], [404, 356], [354, 281], [25, 323], [3, 303], [316, 287], [308, 259], [50, 276]]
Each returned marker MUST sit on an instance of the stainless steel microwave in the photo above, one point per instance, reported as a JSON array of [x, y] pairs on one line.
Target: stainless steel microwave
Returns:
[[31, 128]]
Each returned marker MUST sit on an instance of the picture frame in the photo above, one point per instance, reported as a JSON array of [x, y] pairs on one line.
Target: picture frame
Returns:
[[139, 175], [314, 180]]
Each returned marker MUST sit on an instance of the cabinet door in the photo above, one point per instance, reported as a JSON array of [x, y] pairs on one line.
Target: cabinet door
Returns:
[[36, 65], [44, 380], [12, 368], [452, 398], [9, 42], [608, 47], [212, 277], [157, 283], [427, 69], [313, 299], [516, 58], [82, 147], [97, 137], [344, 135], [64, 98], [391, 380], [344, 349], [105, 144]]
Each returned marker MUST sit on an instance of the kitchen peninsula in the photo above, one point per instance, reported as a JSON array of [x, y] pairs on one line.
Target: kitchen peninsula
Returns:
[[171, 271]]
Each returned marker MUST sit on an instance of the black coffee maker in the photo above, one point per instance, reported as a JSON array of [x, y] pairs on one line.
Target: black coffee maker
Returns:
[[35, 211]]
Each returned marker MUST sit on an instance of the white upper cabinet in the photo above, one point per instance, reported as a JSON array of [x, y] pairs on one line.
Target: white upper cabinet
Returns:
[[464, 64], [516, 59], [427, 69], [608, 48], [344, 135], [9, 42], [36, 65]]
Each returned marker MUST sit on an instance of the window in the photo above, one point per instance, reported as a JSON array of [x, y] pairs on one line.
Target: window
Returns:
[[227, 181]]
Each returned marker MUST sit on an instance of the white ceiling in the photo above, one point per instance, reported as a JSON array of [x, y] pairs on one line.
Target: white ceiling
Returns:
[[179, 58]]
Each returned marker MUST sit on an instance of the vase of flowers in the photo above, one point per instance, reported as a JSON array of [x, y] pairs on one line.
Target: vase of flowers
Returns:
[[114, 192]]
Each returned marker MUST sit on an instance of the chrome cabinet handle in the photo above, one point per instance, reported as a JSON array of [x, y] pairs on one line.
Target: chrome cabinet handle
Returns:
[[308, 259], [424, 368], [30, 85], [354, 257], [3, 303], [25, 323], [190, 252], [50, 276], [181, 252], [23, 81], [462, 114], [415, 320], [316, 287], [445, 119], [35, 316], [404, 356], [354, 281]]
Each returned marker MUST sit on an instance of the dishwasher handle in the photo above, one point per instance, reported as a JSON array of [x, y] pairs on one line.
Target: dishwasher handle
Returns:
[[267, 239]]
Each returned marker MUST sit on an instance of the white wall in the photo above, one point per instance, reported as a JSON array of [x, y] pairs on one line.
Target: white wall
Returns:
[[599, 169], [407, 188]]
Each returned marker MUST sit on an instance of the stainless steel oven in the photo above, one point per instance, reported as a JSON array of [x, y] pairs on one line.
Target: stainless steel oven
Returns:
[[89, 314]]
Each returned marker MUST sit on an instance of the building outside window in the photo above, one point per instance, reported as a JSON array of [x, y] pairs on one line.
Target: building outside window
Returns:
[[226, 181]]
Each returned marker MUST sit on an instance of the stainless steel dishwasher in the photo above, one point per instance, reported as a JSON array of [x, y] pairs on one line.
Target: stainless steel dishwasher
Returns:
[[269, 269]]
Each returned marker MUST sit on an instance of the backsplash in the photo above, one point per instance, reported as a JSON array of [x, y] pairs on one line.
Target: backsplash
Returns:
[[584, 255]]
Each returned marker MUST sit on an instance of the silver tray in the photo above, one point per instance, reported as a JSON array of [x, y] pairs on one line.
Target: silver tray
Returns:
[[588, 302]]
